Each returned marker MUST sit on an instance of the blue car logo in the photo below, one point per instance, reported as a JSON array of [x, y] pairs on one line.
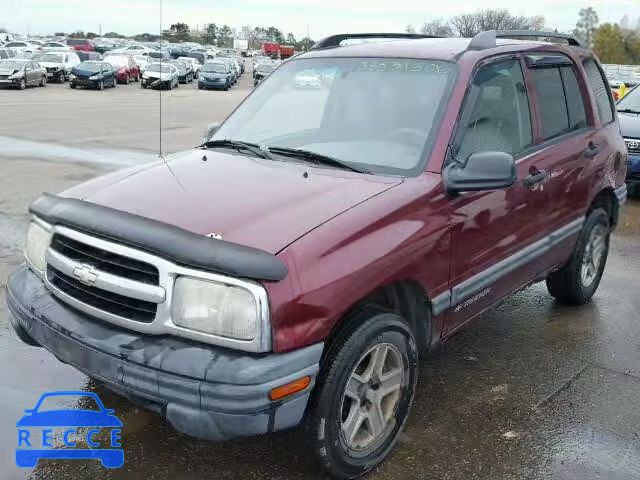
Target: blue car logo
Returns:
[[31, 447]]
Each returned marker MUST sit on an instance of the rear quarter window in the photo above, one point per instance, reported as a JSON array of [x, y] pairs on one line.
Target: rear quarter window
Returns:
[[600, 89]]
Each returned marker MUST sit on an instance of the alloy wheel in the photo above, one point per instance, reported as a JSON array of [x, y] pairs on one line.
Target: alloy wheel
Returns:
[[593, 255], [371, 396]]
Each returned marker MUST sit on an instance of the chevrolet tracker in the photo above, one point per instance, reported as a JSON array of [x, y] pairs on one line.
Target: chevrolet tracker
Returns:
[[293, 269]]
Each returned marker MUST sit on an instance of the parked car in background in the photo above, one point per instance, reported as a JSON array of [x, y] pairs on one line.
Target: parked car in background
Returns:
[[93, 74], [21, 47], [84, 56], [195, 65], [217, 75], [21, 74], [133, 49], [7, 53], [55, 47], [185, 71], [103, 45], [308, 79], [262, 71], [126, 68], [199, 56], [57, 64], [629, 116], [160, 75], [81, 44], [143, 61]]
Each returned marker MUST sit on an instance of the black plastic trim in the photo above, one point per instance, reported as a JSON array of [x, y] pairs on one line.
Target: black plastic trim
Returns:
[[167, 241]]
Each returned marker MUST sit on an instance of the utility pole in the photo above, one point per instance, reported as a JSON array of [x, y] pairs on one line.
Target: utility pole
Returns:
[[100, 29], [308, 38]]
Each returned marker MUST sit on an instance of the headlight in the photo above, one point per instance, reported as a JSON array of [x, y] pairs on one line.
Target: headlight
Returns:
[[72, 76], [216, 309], [95, 77], [37, 243], [16, 76]]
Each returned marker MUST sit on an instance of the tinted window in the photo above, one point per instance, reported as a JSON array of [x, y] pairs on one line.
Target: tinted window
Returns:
[[600, 90], [499, 119], [575, 101], [553, 107], [77, 42]]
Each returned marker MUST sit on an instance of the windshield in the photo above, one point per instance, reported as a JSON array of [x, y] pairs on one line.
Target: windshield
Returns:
[[11, 64], [158, 67], [378, 114], [48, 57], [631, 101], [214, 68], [90, 67]]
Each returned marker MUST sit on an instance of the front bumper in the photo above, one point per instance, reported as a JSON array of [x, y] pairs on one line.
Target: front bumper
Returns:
[[633, 169], [204, 391], [212, 82]]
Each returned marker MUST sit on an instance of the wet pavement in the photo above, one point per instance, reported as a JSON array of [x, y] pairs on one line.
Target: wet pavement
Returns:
[[532, 390]]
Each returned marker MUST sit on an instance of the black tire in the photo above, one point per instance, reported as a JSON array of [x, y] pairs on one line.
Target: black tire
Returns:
[[143, 85], [22, 84], [567, 284], [60, 77], [100, 85], [72, 85], [323, 423]]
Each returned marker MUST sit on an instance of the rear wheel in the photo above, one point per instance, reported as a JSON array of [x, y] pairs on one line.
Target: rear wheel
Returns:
[[578, 280], [43, 81], [363, 394]]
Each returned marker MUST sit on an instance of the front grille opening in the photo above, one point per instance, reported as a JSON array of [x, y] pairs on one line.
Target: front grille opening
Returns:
[[106, 261], [109, 302]]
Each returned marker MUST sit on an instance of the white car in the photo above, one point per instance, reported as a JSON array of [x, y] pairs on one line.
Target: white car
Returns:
[[133, 50], [143, 62], [55, 47], [23, 47], [161, 75], [197, 66], [58, 64]]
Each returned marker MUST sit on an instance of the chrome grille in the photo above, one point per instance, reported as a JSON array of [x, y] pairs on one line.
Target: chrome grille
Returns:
[[633, 145], [109, 282], [105, 261], [120, 305]]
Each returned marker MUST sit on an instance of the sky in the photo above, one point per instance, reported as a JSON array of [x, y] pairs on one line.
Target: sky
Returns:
[[320, 17]]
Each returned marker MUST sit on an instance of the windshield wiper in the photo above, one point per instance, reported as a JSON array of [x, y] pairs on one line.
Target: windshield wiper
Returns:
[[239, 145], [316, 158], [628, 110]]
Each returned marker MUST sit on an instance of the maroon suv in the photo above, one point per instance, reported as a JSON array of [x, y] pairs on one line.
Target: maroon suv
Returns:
[[293, 268]]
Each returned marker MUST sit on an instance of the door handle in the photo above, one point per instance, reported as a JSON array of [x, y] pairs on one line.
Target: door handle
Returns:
[[592, 150], [534, 178]]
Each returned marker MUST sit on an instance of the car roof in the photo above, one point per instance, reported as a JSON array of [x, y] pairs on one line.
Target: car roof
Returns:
[[421, 48]]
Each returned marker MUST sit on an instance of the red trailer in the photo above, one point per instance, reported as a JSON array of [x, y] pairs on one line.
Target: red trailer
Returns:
[[286, 51], [271, 48]]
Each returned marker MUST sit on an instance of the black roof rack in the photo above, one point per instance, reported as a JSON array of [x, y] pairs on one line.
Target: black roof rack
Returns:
[[488, 38], [335, 40]]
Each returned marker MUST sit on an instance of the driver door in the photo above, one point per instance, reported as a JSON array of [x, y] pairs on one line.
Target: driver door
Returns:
[[493, 231]]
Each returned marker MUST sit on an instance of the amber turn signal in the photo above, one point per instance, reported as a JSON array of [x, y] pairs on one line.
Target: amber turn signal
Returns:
[[290, 388]]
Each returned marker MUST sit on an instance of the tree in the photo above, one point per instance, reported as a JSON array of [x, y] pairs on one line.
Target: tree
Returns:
[[608, 43], [225, 36], [470, 24], [91, 35], [60, 34], [436, 28], [410, 29], [275, 35], [291, 39], [587, 23], [110, 35], [77, 34], [178, 32], [146, 37], [304, 44], [210, 35]]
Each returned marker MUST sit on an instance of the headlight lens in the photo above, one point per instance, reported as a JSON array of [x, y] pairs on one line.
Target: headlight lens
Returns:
[[215, 308], [94, 77], [72, 76], [16, 76], [37, 243]]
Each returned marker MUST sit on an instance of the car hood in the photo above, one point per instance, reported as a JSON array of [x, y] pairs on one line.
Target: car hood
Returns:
[[260, 203], [629, 124], [84, 73], [8, 71], [157, 74]]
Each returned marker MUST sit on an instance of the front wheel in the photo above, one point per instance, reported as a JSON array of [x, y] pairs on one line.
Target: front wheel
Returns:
[[22, 84], [100, 85], [363, 394], [578, 280], [43, 81]]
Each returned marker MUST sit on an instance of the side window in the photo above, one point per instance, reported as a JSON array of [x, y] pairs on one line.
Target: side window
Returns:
[[600, 90], [575, 100], [496, 116]]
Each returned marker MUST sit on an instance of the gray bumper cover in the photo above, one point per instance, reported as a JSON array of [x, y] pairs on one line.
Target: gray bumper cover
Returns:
[[204, 391]]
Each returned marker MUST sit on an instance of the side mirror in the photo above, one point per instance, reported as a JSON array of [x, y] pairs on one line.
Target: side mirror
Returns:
[[211, 129], [482, 171]]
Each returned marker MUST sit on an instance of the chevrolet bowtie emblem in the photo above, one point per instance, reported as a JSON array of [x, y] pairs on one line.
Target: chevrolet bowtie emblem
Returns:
[[86, 274]]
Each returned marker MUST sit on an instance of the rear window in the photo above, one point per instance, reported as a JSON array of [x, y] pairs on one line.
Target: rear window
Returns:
[[560, 101], [601, 91], [72, 41]]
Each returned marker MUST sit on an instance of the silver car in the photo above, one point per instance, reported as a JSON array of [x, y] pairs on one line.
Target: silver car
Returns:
[[58, 64], [22, 73], [160, 75]]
